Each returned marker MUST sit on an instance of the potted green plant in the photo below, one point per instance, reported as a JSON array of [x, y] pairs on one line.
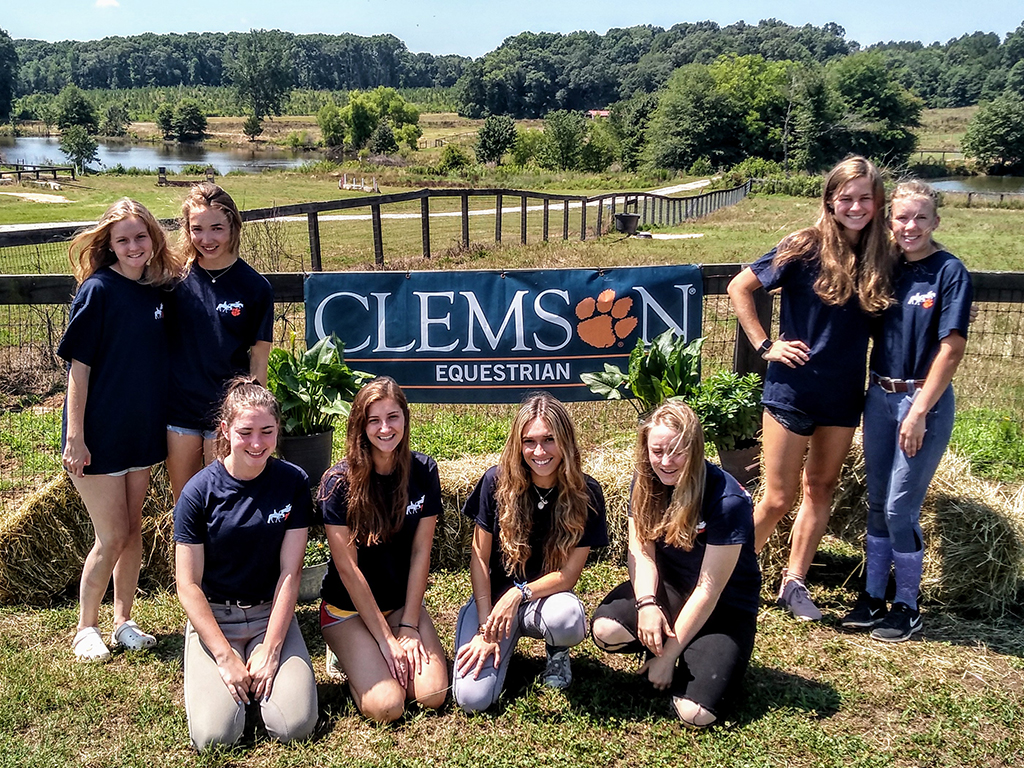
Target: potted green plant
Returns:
[[314, 388], [669, 367], [314, 566], [729, 408]]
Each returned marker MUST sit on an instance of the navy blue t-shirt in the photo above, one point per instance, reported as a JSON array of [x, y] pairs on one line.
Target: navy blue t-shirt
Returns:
[[241, 525], [829, 388], [933, 299], [385, 565], [482, 508], [726, 517], [116, 326], [212, 326]]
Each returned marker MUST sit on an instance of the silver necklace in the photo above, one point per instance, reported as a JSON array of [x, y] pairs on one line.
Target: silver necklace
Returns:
[[543, 499], [220, 272]]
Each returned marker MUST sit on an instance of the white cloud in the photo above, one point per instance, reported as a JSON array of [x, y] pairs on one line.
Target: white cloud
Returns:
[[107, 4]]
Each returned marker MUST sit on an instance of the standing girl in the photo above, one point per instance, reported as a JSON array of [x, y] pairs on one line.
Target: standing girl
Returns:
[[112, 433], [537, 516], [221, 326], [908, 417], [380, 506], [240, 530], [833, 277], [693, 591]]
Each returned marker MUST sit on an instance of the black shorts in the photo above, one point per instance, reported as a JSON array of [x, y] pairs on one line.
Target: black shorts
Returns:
[[794, 421], [712, 665]]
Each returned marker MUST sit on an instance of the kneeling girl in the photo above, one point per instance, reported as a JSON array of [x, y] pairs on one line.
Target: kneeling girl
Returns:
[[537, 516], [692, 598], [380, 506], [240, 529]]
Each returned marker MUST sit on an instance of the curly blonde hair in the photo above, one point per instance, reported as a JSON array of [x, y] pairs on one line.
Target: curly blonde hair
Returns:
[[90, 251], [655, 515], [516, 507], [864, 270]]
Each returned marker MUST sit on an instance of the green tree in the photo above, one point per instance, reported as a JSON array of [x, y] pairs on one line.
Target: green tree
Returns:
[[527, 147], [252, 127], [164, 118], [995, 135], [73, 108], [261, 71], [8, 74], [189, 120], [565, 133], [629, 121], [115, 120], [78, 146], [453, 159], [382, 141], [495, 138], [366, 109], [332, 127], [694, 119]]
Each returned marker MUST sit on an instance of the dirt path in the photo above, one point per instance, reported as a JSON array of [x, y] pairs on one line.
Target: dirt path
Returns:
[[38, 197]]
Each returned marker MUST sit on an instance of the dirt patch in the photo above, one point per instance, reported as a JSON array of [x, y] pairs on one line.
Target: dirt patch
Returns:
[[38, 197]]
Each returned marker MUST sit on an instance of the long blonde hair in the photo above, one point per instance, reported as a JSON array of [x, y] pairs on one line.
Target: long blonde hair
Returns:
[[207, 195], [370, 518], [516, 507], [845, 271], [655, 515], [90, 251]]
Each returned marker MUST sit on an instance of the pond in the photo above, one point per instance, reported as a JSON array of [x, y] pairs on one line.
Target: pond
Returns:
[[994, 184], [37, 150]]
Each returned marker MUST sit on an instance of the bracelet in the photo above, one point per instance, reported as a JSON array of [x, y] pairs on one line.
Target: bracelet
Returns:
[[525, 590], [410, 626], [646, 602]]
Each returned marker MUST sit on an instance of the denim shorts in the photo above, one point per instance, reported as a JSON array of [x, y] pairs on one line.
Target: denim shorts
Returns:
[[794, 421], [206, 434]]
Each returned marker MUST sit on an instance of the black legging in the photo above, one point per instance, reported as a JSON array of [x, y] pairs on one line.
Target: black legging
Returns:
[[712, 664]]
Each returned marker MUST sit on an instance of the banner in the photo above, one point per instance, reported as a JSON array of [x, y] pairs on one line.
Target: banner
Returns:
[[491, 336]]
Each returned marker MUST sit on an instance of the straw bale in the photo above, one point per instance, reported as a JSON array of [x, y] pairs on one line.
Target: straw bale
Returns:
[[43, 544], [973, 534]]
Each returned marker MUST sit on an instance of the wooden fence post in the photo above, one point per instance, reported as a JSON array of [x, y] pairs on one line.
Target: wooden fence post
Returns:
[[497, 218], [465, 220], [583, 220], [600, 214], [565, 219], [378, 238], [425, 224], [313, 224], [546, 216], [522, 219]]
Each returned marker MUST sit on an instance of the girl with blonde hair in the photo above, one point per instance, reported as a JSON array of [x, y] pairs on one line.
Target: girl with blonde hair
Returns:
[[115, 406], [536, 517], [380, 505], [833, 277], [221, 326], [908, 417], [692, 597], [240, 528]]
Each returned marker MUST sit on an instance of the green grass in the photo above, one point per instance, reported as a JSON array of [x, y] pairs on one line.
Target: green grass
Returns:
[[993, 441], [815, 697]]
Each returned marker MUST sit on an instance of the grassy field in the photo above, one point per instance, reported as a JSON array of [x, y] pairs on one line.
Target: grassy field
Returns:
[[815, 697]]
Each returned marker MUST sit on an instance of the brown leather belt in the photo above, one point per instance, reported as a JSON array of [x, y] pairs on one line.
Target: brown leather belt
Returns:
[[893, 386]]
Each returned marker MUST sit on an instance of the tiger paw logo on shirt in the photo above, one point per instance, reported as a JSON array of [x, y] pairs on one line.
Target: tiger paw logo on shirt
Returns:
[[605, 321], [233, 308], [923, 300]]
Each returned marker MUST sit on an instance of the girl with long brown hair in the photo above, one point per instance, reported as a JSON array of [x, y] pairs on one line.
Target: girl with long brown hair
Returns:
[[692, 597], [834, 277], [114, 411], [380, 507], [536, 517]]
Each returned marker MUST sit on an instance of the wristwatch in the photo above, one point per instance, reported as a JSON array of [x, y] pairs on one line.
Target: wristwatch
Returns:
[[525, 589], [765, 346]]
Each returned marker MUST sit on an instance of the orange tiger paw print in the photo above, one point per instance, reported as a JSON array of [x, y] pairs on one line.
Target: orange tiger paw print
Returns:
[[605, 320]]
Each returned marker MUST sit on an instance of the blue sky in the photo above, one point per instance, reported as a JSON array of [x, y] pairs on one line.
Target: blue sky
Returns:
[[473, 27]]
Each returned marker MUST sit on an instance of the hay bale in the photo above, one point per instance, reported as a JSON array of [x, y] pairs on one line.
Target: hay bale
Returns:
[[973, 534], [43, 544]]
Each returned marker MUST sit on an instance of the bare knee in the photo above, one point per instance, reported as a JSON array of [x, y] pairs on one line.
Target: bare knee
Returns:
[[818, 488], [609, 635], [692, 714], [384, 702], [433, 700]]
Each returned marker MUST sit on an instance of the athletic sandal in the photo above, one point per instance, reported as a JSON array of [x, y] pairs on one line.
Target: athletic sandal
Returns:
[[131, 638], [89, 645]]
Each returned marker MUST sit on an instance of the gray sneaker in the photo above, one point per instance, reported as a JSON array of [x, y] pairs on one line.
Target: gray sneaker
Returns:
[[558, 672], [795, 599], [333, 666]]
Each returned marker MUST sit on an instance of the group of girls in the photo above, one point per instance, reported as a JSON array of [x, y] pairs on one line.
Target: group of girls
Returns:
[[242, 516], [851, 278]]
